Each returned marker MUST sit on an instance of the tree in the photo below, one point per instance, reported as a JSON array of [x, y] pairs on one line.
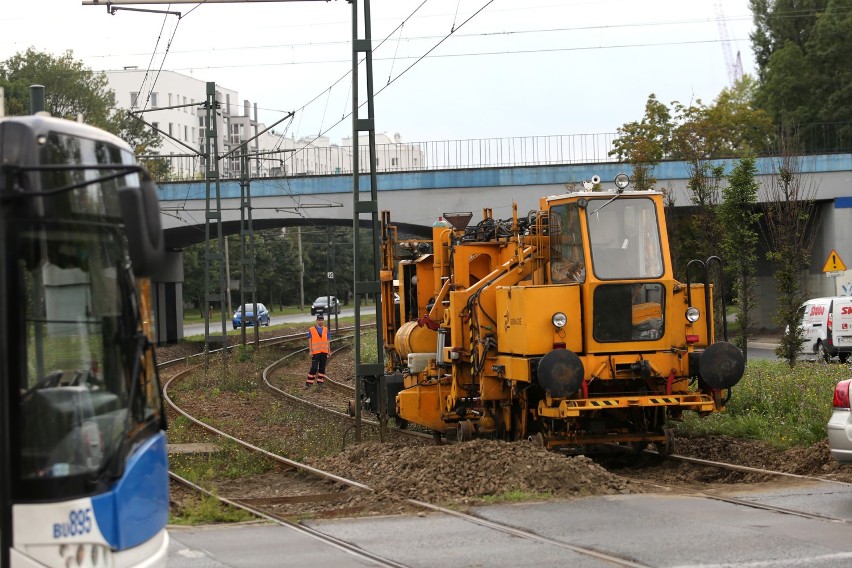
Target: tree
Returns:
[[70, 90], [789, 208], [700, 135], [802, 49], [779, 23], [739, 221], [645, 143], [193, 276]]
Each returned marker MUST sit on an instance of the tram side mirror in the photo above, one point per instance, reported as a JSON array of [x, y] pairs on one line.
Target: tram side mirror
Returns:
[[141, 211]]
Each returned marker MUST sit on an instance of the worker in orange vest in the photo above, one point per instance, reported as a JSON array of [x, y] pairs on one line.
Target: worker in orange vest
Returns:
[[319, 341]]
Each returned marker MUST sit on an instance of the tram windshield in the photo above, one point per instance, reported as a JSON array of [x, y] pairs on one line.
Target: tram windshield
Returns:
[[76, 345], [625, 238]]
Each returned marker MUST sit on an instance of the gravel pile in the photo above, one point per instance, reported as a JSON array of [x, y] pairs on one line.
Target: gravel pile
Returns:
[[465, 473]]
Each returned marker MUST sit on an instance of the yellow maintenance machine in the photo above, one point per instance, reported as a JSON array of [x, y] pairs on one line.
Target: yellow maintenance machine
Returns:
[[565, 326]]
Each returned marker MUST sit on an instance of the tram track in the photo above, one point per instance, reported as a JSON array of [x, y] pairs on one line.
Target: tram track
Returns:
[[334, 395], [763, 472], [264, 507]]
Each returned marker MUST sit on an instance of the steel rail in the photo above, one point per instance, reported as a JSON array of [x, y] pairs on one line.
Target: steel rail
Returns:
[[303, 529], [300, 400], [281, 459], [744, 502]]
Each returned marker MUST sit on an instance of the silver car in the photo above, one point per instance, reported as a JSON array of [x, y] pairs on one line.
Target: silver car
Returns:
[[840, 424]]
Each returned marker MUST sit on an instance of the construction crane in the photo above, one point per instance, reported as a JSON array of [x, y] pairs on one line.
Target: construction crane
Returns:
[[734, 65]]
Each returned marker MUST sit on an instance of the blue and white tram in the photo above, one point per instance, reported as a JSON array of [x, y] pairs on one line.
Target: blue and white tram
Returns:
[[84, 461]]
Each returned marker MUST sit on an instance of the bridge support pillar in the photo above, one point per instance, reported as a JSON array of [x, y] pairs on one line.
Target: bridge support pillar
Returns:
[[167, 289]]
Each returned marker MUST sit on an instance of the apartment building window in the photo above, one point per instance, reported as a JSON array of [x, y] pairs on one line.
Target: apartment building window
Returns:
[[155, 100], [185, 108], [156, 126], [193, 134], [186, 132], [134, 99], [394, 161], [170, 100], [171, 128]]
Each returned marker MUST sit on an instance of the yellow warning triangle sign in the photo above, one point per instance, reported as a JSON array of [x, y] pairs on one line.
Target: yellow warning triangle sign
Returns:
[[834, 263]]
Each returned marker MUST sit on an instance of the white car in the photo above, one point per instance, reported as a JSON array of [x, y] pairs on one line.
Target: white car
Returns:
[[827, 327], [840, 424]]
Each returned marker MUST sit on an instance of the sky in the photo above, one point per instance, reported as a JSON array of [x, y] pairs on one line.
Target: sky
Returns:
[[443, 69]]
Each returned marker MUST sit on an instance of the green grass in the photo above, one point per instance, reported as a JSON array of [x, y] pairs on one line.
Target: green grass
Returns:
[[515, 496], [773, 403], [207, 510], [229, 462]]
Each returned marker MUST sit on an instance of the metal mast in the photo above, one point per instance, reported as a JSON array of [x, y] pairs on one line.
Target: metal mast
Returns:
[[247, 264], [365, 371], [214, 261]]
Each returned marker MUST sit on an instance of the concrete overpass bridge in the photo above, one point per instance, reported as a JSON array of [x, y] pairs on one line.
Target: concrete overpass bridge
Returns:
[[416, 199]]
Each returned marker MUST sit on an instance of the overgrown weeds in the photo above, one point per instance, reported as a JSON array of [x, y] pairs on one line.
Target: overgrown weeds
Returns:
[[776, 404]]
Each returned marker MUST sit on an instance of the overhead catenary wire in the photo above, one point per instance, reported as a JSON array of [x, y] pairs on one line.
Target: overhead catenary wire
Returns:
[[404, 71]]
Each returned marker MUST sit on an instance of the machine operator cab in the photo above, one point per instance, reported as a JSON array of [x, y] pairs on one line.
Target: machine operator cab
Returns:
[[611, 243]]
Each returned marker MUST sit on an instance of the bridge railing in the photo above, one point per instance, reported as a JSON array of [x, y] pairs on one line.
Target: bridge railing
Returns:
[[308, 159]]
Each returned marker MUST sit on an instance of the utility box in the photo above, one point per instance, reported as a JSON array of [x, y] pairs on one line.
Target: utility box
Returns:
[[524, 319]]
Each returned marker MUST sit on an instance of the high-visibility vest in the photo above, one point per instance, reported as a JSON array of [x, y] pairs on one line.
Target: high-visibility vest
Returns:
[[319, 340]]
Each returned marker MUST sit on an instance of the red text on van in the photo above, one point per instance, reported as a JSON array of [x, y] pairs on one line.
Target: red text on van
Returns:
[[818, 310]]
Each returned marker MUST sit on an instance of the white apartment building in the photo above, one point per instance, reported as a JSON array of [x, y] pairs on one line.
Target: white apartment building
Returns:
[[175, 106]]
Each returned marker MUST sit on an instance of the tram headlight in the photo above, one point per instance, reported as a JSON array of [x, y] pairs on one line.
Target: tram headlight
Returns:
[[559, 320], [692, 314]]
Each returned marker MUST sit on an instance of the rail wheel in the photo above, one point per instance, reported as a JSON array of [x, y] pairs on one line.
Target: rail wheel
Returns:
[[401, 423], [668, 445], [437, 437], [465, 431], [350, 407], [823, 352], [537, 440]]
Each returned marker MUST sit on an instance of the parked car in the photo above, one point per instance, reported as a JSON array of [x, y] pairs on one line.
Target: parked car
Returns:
[[840, 424], [262, 315], [321, 304], [827, 327]]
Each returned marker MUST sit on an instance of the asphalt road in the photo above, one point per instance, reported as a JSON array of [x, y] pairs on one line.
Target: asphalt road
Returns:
[[682, 531], [192, 329]]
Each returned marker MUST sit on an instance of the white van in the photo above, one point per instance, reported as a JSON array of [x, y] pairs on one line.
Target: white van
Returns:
[[827, 327]]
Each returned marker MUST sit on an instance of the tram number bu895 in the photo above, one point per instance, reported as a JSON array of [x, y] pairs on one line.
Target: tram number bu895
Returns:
[[79, 522]]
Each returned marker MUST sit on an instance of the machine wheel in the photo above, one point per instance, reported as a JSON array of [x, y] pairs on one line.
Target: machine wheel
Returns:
[[401, 423], [465, 431], [537, 440], [350, 407], [823, 352], [437, 437], [843, 357], [668, 446]]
